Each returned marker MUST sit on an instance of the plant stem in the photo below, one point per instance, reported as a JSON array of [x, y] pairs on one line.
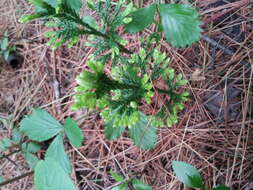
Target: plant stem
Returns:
[[115, 85], [16, 178], [95, 32]]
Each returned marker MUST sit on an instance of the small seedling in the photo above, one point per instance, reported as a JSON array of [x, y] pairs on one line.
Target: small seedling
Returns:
[[6, 49], [191, 177], [9, 53], [55, 168]]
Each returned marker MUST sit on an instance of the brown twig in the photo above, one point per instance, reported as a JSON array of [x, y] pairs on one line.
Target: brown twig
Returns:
[[8, 155], [16, 178], [223, 48]]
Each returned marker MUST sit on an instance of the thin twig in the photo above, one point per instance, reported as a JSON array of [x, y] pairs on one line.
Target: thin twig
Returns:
[[16, 178], [8, 155], [223, 48], [216, 44]]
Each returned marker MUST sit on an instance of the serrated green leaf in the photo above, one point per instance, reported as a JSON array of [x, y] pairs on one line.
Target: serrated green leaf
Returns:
[[141, 19], [181, 24], [111, 132], [143, 134], [5, 143], [187, 174], [139, 185], [40, 125], [16, 135], [57, 152], [73, 132], [31, 159], [221, 187], [49, 175], [117, 177]]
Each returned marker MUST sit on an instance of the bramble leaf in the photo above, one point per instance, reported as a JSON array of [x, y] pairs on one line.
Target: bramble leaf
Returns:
[[49, 175], [31, 159], [32, 147], [221, 187], [5, 143], [180, 23], [187, 174], [141, 19], [16, 135], [56, 151], [40, 125], [143, 134], [73, 132]]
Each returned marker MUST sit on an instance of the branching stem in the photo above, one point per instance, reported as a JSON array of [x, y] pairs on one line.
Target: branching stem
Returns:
[[93, 31]]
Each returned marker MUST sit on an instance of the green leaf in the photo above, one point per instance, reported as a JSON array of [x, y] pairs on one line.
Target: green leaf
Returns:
[[90, 21], [187, 174], [43, 4], [33, 147], [181, 24], [73, 132], [117, 177], [5, 143], [139, 185], [91, 4], [49, 175], [120, 187], [52, 3], [28, 18], [141, 19], [221, 187], [16, 135], [111, 132], [40, 125], [5, 42], [31, 159], [57, 152], [143, 134], [6, 55]]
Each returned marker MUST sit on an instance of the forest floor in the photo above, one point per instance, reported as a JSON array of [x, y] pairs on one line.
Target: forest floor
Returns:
[[215, 130]]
